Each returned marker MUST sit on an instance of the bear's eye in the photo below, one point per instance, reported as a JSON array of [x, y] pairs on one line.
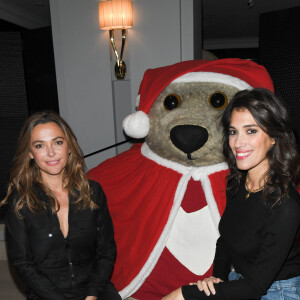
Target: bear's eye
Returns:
[[172, 101], [218, 100]]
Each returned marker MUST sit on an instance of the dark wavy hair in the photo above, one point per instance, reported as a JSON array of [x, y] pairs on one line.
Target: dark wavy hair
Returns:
[[25, 173], [272, 117]]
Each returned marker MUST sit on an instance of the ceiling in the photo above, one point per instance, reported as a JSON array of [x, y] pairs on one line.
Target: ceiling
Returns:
[[226, 23], [30, 14], [235, 23]]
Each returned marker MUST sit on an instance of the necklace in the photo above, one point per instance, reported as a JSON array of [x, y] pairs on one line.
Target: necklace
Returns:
[[251, 190]]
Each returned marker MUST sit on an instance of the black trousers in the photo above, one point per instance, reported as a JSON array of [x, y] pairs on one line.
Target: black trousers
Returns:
[[109, 293]]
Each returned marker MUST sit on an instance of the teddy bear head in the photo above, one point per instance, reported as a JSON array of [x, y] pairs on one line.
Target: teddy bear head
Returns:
[[180, 107]]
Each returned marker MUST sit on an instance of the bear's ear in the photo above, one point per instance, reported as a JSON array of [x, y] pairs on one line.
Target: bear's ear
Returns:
[[137, 125]]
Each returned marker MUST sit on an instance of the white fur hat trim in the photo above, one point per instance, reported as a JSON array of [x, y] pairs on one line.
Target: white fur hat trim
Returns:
[[137, 125], [214, 77]]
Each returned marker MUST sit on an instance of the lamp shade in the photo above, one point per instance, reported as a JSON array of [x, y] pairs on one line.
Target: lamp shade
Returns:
[[115, 14]]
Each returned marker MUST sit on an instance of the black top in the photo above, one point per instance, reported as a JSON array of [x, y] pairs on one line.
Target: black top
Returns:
[[258, 242], [58, 267]]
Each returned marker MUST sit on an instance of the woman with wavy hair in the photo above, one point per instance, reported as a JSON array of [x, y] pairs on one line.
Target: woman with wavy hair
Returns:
[[257, 254], [59, 231]]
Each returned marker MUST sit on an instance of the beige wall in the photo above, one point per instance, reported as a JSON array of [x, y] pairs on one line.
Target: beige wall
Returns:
[[162, 34]]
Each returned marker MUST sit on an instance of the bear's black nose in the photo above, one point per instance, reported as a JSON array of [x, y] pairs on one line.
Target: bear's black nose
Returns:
[[188, 138]]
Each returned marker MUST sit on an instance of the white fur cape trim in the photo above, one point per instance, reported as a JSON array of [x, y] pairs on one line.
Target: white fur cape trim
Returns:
[[137, 125], [198, 174], [213, 77]]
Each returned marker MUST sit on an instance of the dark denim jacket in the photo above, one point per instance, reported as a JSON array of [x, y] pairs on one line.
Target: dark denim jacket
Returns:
[[58, 267]]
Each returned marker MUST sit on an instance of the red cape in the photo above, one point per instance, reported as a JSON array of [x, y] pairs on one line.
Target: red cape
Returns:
[[135, 187]]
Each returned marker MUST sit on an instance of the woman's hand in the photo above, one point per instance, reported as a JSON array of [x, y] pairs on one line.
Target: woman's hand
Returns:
[[91, 298], [207, 285], [175, 295]]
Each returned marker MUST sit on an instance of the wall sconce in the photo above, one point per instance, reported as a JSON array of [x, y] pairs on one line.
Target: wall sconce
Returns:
[[116, 14]]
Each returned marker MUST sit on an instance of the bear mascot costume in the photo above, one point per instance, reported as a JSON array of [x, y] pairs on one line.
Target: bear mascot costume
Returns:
[[166, 195]]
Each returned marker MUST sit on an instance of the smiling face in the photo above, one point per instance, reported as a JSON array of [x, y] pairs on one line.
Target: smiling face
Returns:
[[49, 149], [249, 143]]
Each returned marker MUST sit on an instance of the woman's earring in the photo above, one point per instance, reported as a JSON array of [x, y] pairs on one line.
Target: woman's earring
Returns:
[[273, 143]]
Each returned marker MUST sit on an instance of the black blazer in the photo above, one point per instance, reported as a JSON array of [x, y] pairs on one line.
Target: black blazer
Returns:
[[58, 267]]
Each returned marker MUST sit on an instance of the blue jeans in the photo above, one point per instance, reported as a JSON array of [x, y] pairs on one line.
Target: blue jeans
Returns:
[[288, 289]]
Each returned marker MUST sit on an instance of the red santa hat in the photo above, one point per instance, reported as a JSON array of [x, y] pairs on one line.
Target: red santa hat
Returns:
[[240, 73]]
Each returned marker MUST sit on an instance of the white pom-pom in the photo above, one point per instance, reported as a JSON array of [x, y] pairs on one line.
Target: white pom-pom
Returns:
[[137, 125]]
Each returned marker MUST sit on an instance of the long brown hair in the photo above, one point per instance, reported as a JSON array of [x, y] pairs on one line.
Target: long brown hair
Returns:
[[25, 174]]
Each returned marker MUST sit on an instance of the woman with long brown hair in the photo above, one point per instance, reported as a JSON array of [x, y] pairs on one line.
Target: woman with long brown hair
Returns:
[[59, 232]]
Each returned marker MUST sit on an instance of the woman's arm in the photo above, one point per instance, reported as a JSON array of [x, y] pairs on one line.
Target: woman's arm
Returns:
[[19, 253], [106, 246], [222, 261], [277, 240]]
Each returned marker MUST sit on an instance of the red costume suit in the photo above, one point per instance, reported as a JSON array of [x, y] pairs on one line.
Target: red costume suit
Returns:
[[160, 225], [166, 214]]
